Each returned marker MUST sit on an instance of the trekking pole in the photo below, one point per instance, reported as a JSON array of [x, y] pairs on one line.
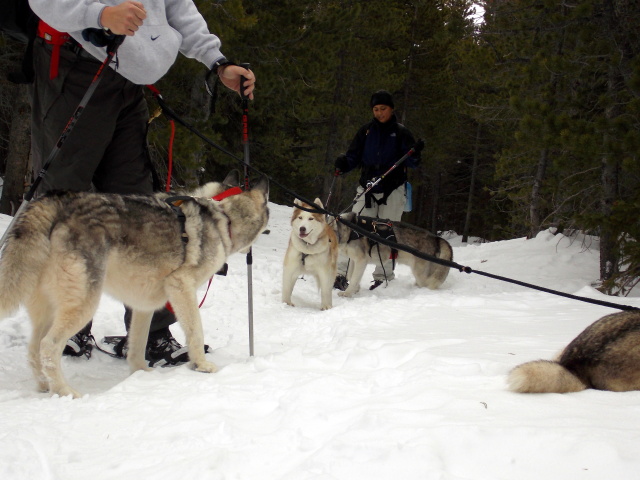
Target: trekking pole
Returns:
[[336, 174], [112, 47], [245, 143], [333, 181], [417, 148]]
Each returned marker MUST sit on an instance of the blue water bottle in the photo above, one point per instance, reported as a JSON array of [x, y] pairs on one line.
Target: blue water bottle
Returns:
[[408, 205]]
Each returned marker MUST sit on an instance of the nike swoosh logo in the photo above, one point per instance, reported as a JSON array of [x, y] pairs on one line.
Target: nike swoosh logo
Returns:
[[153, 39]]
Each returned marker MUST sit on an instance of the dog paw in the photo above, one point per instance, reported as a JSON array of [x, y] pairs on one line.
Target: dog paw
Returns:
[[206, 367], [66, 391], [325, 307], [135, 366], [43, 385], [345, 294]]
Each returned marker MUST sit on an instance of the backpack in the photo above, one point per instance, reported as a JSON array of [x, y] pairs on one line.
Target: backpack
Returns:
[[20, 23]]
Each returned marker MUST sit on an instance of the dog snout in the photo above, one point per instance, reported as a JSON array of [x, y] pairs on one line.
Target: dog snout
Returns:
[[303, 229]]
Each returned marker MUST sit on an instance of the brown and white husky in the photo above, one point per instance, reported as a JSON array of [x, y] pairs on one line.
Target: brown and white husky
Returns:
[[313, 249]]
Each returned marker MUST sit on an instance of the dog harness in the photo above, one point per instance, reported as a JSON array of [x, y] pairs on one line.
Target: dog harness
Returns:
[[175, 202], [303, 255], [378, 226]]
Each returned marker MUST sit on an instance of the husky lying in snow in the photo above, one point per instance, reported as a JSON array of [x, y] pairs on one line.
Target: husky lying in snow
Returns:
[[605, 356]]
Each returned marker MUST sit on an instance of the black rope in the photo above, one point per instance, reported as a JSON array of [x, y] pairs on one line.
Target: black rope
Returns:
[[377, 238], [461, 268]]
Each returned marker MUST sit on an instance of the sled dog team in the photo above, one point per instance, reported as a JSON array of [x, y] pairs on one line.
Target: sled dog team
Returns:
[[66, 249]]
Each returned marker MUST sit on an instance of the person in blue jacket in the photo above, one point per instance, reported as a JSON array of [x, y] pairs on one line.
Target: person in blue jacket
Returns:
[[375, 148]]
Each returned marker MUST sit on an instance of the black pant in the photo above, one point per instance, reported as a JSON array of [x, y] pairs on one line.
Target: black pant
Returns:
[[106, 151]]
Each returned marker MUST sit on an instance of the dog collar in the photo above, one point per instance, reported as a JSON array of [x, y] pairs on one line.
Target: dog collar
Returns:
[[221, 196], [227, 193], [176, 201]]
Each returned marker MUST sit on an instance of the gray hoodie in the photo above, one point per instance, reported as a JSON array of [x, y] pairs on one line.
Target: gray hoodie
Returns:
[[171, 26]]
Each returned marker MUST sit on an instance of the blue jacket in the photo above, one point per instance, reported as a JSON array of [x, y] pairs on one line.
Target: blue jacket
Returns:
[[376, 147]]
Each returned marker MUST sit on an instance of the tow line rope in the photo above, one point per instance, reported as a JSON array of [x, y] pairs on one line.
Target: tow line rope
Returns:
[[464, 269], [390, 243]]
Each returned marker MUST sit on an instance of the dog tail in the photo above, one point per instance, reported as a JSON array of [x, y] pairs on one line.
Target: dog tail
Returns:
[[25, 253], [438, 273], [543, 376]]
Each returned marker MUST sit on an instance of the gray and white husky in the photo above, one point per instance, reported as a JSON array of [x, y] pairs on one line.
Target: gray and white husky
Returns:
[[361, 252], [66, 249], [605, 356]]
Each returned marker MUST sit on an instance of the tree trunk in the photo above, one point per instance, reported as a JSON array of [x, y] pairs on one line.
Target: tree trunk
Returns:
[[536, 197], [409, 63], [608, 249], [435, 202], [472, 186], [610, 178], [18, 154]]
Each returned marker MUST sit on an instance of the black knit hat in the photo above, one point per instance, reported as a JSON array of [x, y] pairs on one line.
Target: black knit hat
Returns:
[[382, 97]]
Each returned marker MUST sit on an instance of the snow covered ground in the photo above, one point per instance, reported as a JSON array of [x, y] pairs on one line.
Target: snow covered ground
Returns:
[[396, 383]]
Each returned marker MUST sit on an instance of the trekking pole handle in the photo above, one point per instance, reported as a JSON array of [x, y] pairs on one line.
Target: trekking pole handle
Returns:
[[115, 42], [242, 80]]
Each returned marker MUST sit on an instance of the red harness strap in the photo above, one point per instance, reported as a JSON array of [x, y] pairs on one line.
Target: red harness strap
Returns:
[[221, 196], [55, 38], [227, 193]]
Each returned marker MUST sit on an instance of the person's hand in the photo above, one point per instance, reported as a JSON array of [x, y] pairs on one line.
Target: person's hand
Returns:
[[231, 76], [123, 19], [341, 164]]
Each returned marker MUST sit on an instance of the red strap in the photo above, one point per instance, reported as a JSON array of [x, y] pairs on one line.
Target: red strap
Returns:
[[55, 38], [170, 308], [221, 196], [227, 193]]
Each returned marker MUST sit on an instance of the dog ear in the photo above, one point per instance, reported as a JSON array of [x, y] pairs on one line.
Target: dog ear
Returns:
[[318, 202], [232, 179], [262, 186]]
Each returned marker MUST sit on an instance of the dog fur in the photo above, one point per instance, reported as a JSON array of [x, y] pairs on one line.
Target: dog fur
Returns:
[[427, 274], [605, 356], [66, 249], [313, 250]]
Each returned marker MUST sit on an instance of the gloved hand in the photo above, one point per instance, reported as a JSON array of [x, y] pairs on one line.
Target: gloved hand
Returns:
[[419, 145], [97, 36], [341, 164]]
